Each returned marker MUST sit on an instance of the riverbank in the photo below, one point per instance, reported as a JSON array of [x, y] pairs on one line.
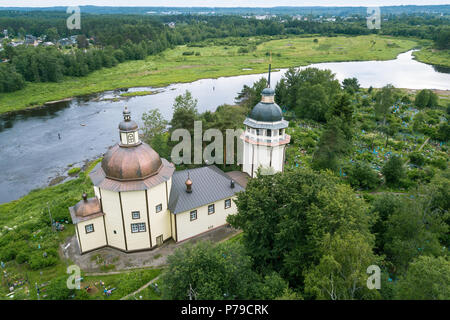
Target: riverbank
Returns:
[[432, 56], [172, 66]]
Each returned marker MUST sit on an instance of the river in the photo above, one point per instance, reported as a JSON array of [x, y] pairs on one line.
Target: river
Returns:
[[32, 154]]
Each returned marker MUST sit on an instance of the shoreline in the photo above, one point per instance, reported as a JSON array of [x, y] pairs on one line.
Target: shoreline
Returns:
[[215, 73]]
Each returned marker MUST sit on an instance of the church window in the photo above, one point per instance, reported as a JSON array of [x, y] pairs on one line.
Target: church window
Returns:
[[227, 203], [193, 215], [281, 132], [211, 209], [159, 208], [136, 215], [137, 227], [269, 132], [89, 228]]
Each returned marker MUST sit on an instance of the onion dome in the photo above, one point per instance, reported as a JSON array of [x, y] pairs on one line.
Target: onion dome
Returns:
[[87, 207], [130, 159], [267, 110], [188, 184], [131, 163]]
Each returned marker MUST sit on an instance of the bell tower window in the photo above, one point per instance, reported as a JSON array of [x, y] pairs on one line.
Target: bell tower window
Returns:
[[130, 138]]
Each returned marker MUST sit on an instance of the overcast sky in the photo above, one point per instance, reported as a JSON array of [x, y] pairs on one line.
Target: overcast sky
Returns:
[[215, 3]]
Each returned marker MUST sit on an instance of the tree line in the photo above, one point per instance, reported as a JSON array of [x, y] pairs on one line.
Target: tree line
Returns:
[[118, 38]]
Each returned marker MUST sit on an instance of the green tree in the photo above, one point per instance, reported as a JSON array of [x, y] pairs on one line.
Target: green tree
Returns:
[[184, 112], [250, 96], [426, 99], [351, 85], [427, 278], [361, 175], [52, 34], [154, 124], [285, 216], [219, 272], [384, 99], [341, 272], [332, 146], [394, 171], [412, 231]]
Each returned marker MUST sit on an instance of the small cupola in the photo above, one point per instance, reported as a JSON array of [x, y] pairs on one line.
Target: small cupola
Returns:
[[129, 130], [188, 184]]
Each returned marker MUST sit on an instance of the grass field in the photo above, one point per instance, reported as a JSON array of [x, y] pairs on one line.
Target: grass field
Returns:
[[433, 56], [211, 61]]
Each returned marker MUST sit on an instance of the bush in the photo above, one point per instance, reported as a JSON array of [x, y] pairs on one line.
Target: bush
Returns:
[[417, 158], [188, 53], [394, 171], [243, 50], [38, 261], [361, 175]]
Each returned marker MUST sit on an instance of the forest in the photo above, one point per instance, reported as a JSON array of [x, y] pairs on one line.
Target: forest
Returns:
[[106, 40]]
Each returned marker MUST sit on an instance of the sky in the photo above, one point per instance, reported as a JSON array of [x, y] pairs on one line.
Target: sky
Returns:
[[216, 3]]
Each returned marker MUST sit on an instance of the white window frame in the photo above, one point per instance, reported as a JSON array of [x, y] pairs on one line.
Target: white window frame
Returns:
[[138, 227], [193, 212], [88, 226], [227, 207], [133, 215]]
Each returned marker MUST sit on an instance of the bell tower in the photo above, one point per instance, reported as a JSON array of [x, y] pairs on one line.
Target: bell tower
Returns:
[[265, 138], [129, 131]]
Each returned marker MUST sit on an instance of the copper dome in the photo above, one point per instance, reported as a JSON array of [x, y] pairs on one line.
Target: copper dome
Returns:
[[131, 163], [87, 207]]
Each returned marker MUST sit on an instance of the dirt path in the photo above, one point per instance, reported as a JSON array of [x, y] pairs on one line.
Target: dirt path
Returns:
[[423, 144], [140, 289], [96, 274]]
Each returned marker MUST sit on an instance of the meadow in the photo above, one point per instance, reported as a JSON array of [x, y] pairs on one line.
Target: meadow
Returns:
[[433, 56], [211, 59]]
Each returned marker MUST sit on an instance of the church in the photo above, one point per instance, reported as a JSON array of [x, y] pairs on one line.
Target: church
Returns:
[[141, 201]]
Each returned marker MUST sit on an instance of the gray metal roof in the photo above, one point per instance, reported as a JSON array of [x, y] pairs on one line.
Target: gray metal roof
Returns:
[[209, 184], [267, 112], [266, 125]]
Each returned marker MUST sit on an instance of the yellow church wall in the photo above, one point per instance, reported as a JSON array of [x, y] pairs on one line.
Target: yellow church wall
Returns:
[[113, 219], [204, 222], [97, 192], [159, 221], [135, 201], [92, 240]]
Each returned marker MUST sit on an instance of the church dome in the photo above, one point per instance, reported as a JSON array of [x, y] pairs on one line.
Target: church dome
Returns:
[[131, 163], [267, 112], [130, 125]]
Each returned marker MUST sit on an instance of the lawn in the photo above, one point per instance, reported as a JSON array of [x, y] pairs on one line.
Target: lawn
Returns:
[[122, 284], [210, 61], [26, 234]]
